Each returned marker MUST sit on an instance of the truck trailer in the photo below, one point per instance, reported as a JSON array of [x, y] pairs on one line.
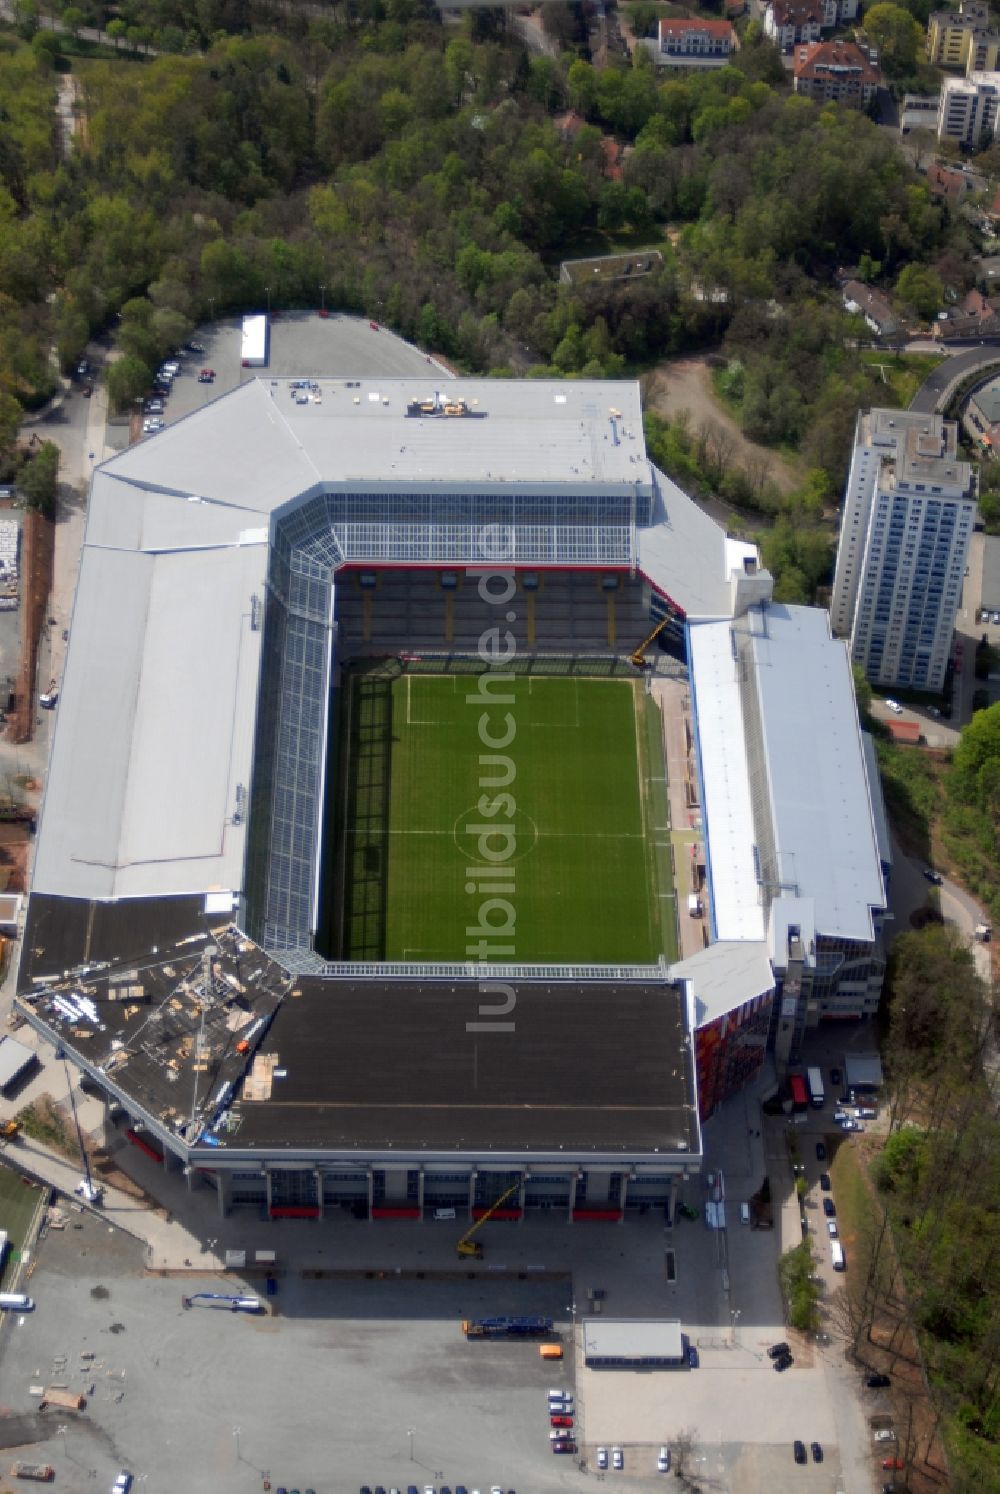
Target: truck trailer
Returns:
[[817, 1094], [506, 1327]]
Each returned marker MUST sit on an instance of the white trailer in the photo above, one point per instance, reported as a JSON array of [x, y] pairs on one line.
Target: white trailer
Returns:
[[253, 352]]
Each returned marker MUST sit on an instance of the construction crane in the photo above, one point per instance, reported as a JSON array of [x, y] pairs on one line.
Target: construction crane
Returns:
[[467, 1246], [638, 657]]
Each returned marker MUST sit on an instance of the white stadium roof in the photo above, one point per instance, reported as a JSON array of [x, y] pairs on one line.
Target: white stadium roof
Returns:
[[154, 742]]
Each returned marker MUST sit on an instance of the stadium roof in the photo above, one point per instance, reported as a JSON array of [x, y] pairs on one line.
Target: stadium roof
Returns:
[[725, 975], [817, 776], [262, 1059], [687, 555], [372, 1065], [735, 904], [256, 447], [152, 754], [155, 730]]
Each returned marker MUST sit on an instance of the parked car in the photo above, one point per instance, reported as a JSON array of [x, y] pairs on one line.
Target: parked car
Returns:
[[122, 1483], [895, 707], [560, 1421], [82, 369], [932, 876], [820, 1152], [829, 1208], [559, 1434], [155, 406], [824, 1181], [851, 1125], [816, 1451], [885, 1434], [206, 376], [799, 1449], [865, 1112], [778, 1351], [87, 390], [151, 425], [893, 1463], [194, 347], [564, 1447], [602, 1457], [617, 1458], [693, 1360], [663, 1460], [831, 1228], [877, 1382]]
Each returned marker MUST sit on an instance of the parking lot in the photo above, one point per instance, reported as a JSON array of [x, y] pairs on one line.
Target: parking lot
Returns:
[[348, 1374], [301, 344]]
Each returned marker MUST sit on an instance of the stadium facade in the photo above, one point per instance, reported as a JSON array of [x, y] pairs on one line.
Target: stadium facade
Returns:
[[173, 946]]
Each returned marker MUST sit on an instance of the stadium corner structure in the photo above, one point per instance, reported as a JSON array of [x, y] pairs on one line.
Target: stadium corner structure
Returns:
[[183, 946]]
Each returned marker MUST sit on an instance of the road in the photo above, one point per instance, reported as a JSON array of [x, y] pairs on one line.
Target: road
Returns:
[[962, 359]]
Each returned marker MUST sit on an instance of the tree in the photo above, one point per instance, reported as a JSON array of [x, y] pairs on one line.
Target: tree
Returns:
[[897, 36], [10, 421], [920, 288], [38, 478], [128, 378]]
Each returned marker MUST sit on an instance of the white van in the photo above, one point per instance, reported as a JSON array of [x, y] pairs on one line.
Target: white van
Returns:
[[16, 1302], [744, 1213], [837, 1256]]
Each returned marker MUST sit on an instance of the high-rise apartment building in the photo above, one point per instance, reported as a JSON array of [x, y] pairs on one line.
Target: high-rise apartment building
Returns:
[[908, 516], [968, 109]]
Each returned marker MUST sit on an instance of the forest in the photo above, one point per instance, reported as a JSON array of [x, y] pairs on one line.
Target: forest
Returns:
[[372, 159]]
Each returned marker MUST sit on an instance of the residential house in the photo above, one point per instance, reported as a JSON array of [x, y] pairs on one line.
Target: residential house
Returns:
[[838, 70], [791, 22], [977, 315], [860, 299], [947, 182], [696, 43]]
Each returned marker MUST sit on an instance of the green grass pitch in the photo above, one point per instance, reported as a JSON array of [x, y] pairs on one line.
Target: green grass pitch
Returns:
[[584, 878]]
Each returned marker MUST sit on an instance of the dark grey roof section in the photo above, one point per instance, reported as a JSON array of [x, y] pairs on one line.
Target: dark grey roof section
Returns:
[[355, 1066], [173, 1033], [62, 934], [15, 1058], [374, 1066]]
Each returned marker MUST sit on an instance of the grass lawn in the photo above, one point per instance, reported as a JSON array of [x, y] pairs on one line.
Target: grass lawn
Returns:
[[18, 1203], [855, 1214], [902, 373], [561, 806]]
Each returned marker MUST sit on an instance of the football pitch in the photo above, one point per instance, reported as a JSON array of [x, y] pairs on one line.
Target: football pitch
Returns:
[[510, 820]]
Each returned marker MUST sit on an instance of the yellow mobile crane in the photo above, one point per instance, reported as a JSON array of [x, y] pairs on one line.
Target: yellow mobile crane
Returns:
[[467, 1246], [638, 658]]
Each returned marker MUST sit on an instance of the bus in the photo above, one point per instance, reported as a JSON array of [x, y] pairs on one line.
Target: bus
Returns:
[[797, 1085], [817, 1097]]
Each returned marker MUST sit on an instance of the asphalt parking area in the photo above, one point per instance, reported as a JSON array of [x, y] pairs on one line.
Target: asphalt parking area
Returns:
[[350, 1381]]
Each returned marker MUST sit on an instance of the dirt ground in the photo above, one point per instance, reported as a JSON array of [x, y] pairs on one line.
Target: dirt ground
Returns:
[[686, 384]]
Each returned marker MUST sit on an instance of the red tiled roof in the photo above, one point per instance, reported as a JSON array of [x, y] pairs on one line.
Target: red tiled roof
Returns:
[[817, 60], [795, 12], [710, 28]]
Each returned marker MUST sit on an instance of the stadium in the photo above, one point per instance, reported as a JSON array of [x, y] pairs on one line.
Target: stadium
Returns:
[[440, 808]]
